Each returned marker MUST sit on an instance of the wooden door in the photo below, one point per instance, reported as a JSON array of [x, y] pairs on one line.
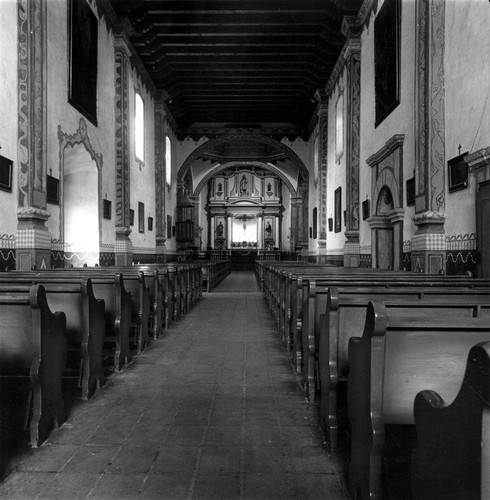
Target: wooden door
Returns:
[[483, 227], [384, 240]]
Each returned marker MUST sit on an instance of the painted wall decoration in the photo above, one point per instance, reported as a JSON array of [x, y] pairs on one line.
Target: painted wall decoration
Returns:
[[83, 59]]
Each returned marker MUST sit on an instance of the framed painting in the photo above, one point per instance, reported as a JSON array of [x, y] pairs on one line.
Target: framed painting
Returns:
[[410, 187], [52, 190], [83, 39], [366, 209], [5, 174], [338, 210], [141, 217], [387, 59], [107, 209], [458, 173]]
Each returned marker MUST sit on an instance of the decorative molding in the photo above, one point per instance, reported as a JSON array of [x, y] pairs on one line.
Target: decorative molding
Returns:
[[396, 141], [31, 118], [33, 213], [387, 165], [429, 217], [367, 8], [461, 242], [478, 159], [352, 30]]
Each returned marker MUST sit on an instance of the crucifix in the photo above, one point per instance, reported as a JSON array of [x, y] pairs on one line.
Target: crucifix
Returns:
[[459, 149]]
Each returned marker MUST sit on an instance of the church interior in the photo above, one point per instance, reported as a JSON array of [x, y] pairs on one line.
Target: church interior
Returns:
[[309, 179]]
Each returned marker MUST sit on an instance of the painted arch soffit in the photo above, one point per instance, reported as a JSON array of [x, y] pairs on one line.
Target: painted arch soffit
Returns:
[[199, 151], [213, 171]]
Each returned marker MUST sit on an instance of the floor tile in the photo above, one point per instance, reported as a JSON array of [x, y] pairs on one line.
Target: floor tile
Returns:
[[220, 459], [171, 485], [217, 486], [176, 459]]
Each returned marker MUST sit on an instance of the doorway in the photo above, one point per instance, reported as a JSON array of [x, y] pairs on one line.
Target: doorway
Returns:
[[483, 227]]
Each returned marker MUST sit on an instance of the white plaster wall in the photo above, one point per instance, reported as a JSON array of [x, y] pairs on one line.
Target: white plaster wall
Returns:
[[8, 105], [467, 79], [313, 187], [301, 148], [171, 191], [401, 119], [142, 175], [61, 113], [336, 172]]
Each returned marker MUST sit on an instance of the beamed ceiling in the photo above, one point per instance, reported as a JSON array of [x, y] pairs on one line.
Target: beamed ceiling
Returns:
[[238, 64]]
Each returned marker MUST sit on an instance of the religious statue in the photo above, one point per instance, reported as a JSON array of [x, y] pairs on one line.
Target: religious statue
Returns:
[[219, 230], [243, 186], [268, 230]]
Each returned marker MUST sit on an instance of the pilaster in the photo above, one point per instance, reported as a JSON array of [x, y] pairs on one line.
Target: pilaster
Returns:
[[428, 243], [296, 221], [322, 112], [159, 179], [33, 238], [352, 55], [124, 248]]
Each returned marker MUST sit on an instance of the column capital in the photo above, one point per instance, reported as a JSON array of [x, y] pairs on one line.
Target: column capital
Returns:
[[430, 217]]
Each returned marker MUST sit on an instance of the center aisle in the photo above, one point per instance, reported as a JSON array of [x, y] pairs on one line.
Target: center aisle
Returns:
[[211, 410]]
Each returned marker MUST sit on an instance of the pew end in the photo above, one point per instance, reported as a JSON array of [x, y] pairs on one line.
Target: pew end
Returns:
[[396, 358], [451, 459]]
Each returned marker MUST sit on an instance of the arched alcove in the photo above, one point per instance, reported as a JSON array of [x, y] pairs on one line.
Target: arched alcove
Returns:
[[80, 206], [81, 200]]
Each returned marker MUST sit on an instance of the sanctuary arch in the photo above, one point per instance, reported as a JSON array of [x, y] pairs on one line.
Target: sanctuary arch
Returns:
[[249, 192]]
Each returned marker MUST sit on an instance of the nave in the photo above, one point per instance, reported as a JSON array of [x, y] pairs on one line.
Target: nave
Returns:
[[211, 410]]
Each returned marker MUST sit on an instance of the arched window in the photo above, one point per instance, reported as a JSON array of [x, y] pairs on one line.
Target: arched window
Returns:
[[339, 127], [139, 128], [168, 160]]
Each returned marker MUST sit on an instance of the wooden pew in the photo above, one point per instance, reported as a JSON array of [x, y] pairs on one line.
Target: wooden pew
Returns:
[[85, 323], [138, 293], [452, 456], [110, 288], [314, 298], [33, 343], [396, 358], [135, 284], [345, 317]]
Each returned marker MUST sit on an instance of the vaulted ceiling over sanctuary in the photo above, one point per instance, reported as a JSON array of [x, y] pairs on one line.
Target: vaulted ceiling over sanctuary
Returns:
[[228, 65]]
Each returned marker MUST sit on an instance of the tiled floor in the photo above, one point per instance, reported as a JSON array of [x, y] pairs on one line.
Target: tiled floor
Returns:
[[211, 410]]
